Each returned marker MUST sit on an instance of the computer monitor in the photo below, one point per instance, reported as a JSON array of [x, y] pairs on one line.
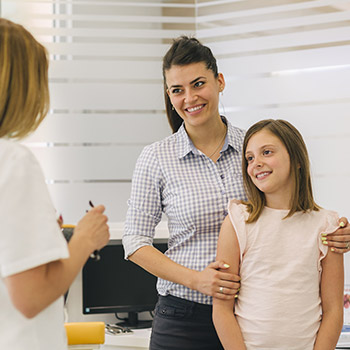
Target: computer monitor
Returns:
[[115, 285]]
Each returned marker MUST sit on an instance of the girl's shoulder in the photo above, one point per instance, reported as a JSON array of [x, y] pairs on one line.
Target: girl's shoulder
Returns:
[[330, 217], [238, 209], [322, 220], [236, 202], [324, 215]]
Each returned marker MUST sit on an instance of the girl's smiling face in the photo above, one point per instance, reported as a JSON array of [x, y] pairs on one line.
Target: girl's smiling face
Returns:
[[269, 168], [194, 92]]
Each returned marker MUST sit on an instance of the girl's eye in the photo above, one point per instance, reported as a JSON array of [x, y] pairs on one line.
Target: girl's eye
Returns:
[[175, 91], [267, 152], [199, 84], [249, 158]]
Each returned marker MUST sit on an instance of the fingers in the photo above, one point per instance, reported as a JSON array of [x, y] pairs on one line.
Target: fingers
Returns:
[[341, 245], [343, 222], [219, 265], [60, 221], [99, 209], [224, 293], [214, 276], [340, 250], [227, 284], [229, 281], [338, 241], [93, 226], [96, 214], [229, 288], [230, 277]]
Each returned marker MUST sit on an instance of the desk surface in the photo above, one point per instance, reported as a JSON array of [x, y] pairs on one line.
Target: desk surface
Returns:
[[139, 339]]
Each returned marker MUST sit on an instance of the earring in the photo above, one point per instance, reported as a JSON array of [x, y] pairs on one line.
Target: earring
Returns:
[[172, 107]]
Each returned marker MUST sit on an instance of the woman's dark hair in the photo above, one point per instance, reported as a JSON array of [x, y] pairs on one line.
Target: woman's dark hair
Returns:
[[184, 51]]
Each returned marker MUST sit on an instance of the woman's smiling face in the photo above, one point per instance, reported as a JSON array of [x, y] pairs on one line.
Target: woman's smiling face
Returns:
[[194, 92]]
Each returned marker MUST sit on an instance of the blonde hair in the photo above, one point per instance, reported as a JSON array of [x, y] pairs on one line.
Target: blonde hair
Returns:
[[302, 198], [24, 90]]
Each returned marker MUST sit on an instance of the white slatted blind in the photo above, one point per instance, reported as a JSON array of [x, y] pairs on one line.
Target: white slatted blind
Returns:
[[106, 93], [290, 60]]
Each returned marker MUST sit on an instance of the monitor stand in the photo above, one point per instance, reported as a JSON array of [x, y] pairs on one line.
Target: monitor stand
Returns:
[[133, 322]]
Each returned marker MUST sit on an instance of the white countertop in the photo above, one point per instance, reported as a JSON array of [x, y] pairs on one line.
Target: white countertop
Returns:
[[138, 339]]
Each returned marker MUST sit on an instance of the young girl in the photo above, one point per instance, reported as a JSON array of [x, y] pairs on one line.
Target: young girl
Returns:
[[291, 294]]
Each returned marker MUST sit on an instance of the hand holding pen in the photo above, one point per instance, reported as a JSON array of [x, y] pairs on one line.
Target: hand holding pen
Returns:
[[93, 227], [96, 254]]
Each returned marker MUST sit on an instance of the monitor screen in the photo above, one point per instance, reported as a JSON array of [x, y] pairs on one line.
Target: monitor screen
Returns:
[[113, 284]]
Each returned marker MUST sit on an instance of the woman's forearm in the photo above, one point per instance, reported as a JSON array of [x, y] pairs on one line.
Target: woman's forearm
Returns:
[[158, 264], [208, 281], [31, 291]]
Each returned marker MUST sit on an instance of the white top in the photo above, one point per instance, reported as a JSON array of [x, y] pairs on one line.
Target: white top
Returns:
[[279, 304], [29, 237]]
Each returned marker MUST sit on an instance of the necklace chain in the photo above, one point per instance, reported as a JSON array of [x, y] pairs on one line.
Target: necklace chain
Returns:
[[220, 144]]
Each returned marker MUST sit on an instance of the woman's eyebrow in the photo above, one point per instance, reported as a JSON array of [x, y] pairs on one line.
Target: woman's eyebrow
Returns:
[[174, 86], [191, 82], [195, 80]]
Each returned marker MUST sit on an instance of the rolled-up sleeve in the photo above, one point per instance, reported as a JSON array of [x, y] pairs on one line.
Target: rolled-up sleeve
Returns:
[[145, 204]]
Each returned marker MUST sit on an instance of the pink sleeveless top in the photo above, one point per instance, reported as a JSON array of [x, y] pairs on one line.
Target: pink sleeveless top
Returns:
[[279, 304]]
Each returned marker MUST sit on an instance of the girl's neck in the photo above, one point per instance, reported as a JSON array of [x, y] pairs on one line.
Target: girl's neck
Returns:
[[281, 202]]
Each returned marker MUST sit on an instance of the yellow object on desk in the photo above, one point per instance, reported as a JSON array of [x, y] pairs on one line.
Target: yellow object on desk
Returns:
[[85, 332]]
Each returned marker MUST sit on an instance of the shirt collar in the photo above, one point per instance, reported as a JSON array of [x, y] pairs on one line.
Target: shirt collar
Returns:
[[185, 145], [232, 139]]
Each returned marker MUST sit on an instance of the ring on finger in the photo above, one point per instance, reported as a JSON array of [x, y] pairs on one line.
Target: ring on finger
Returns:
[[348, 245], [221, 290]]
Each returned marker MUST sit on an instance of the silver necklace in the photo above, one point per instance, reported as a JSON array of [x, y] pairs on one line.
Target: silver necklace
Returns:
[[220, 144]]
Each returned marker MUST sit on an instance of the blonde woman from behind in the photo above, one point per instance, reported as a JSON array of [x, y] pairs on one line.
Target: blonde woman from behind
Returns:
[[36, 264]]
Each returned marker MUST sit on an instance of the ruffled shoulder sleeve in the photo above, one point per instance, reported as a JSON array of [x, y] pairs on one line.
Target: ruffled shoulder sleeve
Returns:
[[238, 215], [330, 224]]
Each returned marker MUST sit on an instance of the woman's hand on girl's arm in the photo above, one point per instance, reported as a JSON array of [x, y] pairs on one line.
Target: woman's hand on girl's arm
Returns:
[[224, 318], [339, 241], [217, 281], [332, 289], [207, 281]]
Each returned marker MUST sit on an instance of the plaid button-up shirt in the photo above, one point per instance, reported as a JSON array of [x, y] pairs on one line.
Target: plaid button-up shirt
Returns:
[[173, 177]]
